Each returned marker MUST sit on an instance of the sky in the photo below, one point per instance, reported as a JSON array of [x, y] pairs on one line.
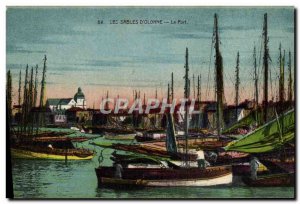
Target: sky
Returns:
[[120, 58]]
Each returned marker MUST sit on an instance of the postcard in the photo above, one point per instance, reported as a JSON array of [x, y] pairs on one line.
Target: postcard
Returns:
[[150, 102]]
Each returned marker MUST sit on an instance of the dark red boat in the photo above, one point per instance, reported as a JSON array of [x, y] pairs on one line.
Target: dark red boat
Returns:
[[271, 180], [158, 177]]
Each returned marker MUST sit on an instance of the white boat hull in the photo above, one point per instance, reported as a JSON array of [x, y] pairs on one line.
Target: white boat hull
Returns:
[[223, 180]]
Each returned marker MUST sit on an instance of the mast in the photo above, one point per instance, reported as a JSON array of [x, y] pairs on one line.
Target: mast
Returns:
[[172, 86], [155, 115], [31, 92], [19, 101], [198, 89], [189, 87], [168, 96], [186, 96], [194, 86], [237, 84], [290, 91], [281, 75], [133, 95], [106, 104], [19, 90], [25, 101], [136, 95], [9, 98], [255, 85], [31, 89], [43, 84], [266, 67], [199, 99], [219, 79], [35, 86], [171, 145]]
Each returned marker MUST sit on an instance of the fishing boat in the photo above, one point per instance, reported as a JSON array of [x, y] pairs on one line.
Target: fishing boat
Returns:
[[150, 136], [101, 129], [282, 161], [271, 180], [56, 148], [165, 177], [120, 136], [144, 170]]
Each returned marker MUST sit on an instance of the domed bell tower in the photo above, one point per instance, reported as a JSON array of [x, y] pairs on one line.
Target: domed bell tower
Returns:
[[80, 99]]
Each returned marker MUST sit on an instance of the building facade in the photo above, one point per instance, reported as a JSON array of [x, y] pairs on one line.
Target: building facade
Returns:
[[62, 104]]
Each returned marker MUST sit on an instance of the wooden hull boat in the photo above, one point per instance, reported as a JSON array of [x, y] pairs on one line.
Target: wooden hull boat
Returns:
[[105, 129], [207, 145], [279, 161], [278, 166], [152, 136], [148, 150], [54, 155], [57, 148], [273, 180], [143, 139], [45, 134], [241, 169], [59, 139], [120, 137], [165, 177]]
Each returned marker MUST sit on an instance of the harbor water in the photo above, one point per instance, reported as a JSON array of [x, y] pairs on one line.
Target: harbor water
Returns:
[[77, 179]]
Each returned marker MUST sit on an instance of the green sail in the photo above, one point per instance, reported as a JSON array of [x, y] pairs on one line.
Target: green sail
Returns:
[[246, 121], [268, 137]]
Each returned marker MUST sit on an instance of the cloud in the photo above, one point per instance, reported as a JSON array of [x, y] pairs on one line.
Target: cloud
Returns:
[[18, 49], [55, 74], [102, 63], [52, 82], [15, 66], [187, 36], [125, 85]]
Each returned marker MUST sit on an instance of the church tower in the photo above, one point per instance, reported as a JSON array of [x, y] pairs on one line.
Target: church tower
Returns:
[[80, 99]]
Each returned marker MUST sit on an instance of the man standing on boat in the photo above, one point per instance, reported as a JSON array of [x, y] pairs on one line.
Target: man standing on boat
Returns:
[[254, 167], [118, 170]]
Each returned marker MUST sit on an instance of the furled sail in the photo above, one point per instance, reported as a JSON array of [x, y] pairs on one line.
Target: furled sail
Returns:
[[171, 145], [268, 137], [244, 122]]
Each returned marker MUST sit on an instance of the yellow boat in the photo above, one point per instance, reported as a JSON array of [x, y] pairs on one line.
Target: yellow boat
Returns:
[[28, 154]]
